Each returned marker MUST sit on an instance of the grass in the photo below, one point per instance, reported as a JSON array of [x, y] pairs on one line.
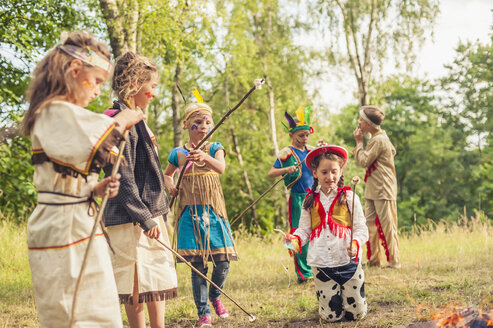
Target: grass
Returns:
[[445, 266]]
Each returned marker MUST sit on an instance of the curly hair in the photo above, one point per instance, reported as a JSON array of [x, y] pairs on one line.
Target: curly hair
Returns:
[[51, 79], [131, 72]]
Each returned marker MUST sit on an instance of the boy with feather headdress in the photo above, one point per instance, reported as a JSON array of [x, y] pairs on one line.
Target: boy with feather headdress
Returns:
[[297, 178]]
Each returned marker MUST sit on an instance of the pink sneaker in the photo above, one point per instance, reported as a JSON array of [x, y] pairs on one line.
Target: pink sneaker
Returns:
[[220, 309], [204, 321]]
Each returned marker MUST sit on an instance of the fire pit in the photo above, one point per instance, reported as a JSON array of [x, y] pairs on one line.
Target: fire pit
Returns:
[[466, 317]]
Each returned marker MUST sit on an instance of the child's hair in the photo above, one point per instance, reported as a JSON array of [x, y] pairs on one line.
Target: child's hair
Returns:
[[51, 78], [308, 203], [194, 107], [374, 114], [131, 72]]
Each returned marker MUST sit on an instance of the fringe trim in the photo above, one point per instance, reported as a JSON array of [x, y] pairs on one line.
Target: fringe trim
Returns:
[[150, 296], [371, 169], [200, 189], [382, 237], [327, 220], [368, 250], [211, 257]]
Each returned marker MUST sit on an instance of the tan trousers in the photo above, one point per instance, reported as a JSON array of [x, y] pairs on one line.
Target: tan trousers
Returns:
[[381, 219]]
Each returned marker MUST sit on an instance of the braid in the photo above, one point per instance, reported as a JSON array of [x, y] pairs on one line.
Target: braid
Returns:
[[342, 196], [308, 203]]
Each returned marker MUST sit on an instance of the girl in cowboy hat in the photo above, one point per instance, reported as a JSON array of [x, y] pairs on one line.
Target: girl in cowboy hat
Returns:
[[326, 223]]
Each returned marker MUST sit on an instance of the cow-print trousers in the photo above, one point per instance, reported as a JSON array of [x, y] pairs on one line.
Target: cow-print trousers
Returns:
[[341, 292]]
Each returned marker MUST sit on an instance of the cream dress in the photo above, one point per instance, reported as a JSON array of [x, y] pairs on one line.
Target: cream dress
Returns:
[[69, 142]]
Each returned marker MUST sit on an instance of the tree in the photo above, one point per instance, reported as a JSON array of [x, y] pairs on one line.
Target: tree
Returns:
[[370, 28]]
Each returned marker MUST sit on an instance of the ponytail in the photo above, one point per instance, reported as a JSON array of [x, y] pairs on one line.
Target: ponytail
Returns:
[[308, 203], [342, 196]]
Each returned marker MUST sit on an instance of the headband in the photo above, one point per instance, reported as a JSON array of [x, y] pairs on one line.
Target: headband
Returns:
[[198, 110], [367, 120], [87, 56]]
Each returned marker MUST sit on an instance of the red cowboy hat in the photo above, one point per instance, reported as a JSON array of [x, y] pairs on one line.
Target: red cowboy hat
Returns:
[[338, 150]]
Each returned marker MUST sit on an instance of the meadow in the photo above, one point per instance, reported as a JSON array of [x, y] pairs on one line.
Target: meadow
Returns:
[[444, 266]]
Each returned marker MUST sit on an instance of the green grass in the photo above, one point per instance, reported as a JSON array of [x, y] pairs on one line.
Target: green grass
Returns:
[[445, 266]]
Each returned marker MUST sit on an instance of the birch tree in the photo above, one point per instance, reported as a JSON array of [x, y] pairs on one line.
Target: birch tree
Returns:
[[374, 31]]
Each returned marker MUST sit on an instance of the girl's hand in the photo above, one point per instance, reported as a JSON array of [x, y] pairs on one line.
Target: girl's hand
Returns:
[[173, 191], [352, 250], [358, 135], [127, 118], [100, 187], [196, 156], [154, 232]]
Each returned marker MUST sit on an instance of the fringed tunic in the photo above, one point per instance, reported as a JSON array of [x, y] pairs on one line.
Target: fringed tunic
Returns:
[[70, 145], [203, 230]]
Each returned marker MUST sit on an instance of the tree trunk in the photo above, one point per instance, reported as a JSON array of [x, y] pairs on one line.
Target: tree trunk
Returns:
[[245, 174], [114, 24], [175, 99], [122, 28], [240, 158]]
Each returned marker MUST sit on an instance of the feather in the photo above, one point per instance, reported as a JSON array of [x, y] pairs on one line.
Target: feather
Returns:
[[197, 95], [291, 122], [300, 114], [308, 110], [287, 129]]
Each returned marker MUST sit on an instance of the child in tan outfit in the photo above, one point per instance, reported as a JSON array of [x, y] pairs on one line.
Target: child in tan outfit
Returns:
[[381, 186]]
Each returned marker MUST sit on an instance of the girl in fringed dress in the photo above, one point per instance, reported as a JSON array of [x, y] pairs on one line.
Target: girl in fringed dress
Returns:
[[326, 222], [70, 146], [144, 269], [203, 230]]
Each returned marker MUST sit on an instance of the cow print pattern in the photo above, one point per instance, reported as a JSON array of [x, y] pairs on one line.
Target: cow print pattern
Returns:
[[337, 302]]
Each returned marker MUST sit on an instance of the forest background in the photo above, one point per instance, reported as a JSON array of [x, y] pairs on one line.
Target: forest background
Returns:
[[441, 128]]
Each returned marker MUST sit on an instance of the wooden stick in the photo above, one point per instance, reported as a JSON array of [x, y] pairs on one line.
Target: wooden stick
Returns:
[[355, 180], [94, 228], [257, 86], [252, 318]]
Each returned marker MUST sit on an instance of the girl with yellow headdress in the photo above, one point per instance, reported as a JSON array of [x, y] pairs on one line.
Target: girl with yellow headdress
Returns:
[[203, 230]]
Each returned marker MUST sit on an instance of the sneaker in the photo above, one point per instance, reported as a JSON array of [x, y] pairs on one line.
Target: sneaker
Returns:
[[220, 309], [204, 321]]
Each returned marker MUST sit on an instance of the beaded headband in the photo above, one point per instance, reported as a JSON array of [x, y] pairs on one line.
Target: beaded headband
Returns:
[[87, 56]]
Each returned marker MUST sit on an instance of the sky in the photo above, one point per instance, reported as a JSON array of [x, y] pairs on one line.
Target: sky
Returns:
[[459, 20]]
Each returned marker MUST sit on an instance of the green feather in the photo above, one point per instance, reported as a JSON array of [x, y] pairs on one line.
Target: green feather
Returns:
[[308, 109]]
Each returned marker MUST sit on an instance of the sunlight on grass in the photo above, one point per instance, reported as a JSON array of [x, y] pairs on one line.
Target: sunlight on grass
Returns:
[[444, 265]]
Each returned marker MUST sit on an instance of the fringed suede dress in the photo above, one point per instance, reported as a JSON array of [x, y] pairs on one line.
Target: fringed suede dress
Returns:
[[70, 145], [203, 230]]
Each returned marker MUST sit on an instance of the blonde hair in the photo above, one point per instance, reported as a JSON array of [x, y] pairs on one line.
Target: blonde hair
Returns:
[[191, 108], [374, 114], [51, 79], [131, 72]]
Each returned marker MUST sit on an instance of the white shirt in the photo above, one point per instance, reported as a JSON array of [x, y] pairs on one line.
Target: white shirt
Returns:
[[329, 250]]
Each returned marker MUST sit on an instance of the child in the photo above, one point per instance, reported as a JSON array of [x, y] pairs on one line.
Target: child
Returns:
[[203, 230], [70, 146], [326, 222], [381, 186], [297, 179], [144, 269]]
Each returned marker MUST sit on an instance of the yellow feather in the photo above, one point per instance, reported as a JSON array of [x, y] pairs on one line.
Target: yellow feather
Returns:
[[301, 115], [197, 95]]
